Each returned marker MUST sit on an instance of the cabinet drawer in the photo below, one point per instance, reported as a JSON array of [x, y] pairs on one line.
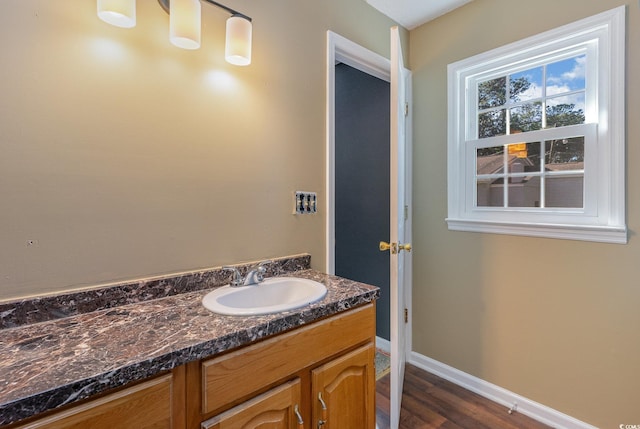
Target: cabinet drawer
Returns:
[[276, 409], [236, 375], [144, 406]]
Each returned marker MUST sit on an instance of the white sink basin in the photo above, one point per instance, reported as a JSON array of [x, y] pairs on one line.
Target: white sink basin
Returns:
[[271, 296]]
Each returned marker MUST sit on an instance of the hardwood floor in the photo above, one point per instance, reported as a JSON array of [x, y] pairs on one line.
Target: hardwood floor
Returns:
[[429, 401]]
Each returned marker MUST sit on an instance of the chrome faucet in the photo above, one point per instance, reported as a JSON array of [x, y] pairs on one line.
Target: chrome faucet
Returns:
[[254, 276]]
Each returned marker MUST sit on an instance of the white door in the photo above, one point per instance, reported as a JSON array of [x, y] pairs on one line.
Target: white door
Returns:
[[399, 210]]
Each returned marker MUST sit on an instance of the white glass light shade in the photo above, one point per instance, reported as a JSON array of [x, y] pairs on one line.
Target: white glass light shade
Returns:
[[184, 23], [121, 13], [238, 43]]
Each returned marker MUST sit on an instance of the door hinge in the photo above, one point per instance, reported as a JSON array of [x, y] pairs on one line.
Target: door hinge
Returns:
[[406, 109], [406, 315], [406, 212]]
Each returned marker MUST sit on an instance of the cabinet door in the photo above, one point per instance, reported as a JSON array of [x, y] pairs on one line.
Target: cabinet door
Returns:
[[144, 406], [344, 391], [275, 409]]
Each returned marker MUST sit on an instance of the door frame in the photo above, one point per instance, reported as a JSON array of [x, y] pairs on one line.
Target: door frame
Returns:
[[341, 49]]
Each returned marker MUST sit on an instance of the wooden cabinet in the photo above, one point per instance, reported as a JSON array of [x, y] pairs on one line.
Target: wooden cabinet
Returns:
[[332, 360], [153, 404], [344, 391]]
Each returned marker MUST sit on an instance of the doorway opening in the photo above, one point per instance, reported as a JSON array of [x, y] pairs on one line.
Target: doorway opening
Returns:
[[352, 200]]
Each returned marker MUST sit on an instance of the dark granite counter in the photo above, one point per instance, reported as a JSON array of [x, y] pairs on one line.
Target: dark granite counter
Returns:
[[49, 364]]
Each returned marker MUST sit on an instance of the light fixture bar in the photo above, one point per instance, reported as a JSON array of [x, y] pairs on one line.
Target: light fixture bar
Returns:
[[228, 9], [165, 6]]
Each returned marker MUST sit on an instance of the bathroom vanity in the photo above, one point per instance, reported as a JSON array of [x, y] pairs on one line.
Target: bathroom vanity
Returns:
[[170, 363]]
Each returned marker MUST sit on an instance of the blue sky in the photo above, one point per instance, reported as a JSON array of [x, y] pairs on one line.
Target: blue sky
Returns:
[[561, 77]]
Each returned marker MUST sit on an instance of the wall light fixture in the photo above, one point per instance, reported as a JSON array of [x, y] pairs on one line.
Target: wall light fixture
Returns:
[[184, 25], [121, 13]]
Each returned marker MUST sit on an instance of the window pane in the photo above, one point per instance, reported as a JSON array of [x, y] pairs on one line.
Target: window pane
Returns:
[[490, 193], [565, 110], [525, 85], [524, 157], [526, 118], [566, 75], [564, 154], [492, 124], [490, 160], [524, 192], [492, 93], [564, 192]]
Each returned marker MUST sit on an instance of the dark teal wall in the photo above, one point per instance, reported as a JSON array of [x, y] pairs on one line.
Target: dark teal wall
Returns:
[[362, 182]]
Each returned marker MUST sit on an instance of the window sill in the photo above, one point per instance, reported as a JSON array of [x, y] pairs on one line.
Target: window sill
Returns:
[[602, 234]]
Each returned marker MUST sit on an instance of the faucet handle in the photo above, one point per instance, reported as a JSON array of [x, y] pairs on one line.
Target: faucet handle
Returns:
[[236, 279], [261, 269]]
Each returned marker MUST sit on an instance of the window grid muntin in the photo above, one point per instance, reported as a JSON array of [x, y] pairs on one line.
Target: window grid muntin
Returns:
[[506, 72], [587, 48], [586, 131], [509, 104]]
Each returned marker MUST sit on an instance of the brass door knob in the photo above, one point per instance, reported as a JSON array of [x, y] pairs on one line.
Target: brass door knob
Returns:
[[389, 246], [406, 247]]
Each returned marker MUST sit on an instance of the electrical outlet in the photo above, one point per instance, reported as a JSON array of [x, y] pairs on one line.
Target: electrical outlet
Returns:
[[305, 203]]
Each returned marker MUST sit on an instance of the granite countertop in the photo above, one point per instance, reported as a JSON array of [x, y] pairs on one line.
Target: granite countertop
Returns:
[[57, 362]]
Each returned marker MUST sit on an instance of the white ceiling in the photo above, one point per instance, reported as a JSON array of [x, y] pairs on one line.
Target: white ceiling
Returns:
[[413, 13]]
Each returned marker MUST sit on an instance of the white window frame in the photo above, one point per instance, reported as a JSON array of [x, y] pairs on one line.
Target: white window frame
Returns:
[[603, 218]]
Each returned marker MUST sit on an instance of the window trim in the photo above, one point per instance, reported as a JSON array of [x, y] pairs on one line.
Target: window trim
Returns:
[[606, 31]]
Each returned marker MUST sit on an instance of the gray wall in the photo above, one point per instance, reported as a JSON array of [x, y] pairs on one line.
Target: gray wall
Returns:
[[362, 183]]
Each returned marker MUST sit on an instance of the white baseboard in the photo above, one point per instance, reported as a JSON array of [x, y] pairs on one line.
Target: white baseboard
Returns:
[[383, 345], [497, 394]]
